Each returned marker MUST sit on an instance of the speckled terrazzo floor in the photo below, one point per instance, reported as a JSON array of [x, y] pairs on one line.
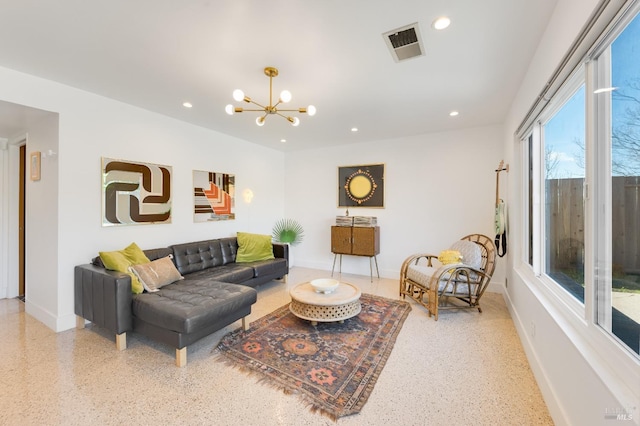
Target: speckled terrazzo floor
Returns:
[[77, 377]]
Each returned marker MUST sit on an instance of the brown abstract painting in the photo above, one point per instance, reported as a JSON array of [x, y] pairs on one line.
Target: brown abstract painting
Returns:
[[135, 193], [213, 196]]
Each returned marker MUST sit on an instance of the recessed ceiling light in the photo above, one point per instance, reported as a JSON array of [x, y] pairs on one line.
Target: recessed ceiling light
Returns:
[[283, 140], [441, 23], [354, 129], [453, 113], [187, 104]]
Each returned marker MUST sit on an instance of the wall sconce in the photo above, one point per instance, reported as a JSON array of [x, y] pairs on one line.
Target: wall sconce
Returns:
[[247, 195], [49, 153]]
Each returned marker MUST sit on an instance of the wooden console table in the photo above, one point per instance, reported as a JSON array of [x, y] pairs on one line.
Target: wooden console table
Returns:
[[355, 241]]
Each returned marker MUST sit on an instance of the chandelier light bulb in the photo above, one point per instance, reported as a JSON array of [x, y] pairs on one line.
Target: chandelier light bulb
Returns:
[[229, 109], [238, 95], [295, 122], [260, 121], [311, 110], [285, 96]]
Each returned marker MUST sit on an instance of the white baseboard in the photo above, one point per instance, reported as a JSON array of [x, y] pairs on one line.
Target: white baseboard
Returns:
[[548, 394], [41, 314]]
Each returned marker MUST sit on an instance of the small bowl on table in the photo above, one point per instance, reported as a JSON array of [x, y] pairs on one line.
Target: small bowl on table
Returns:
[[324, 285]]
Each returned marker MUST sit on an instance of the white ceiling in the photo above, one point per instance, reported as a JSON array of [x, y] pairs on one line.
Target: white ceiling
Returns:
[[159, 53]]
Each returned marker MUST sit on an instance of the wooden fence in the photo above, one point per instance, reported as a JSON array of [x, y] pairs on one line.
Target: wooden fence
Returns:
[[565, 219]]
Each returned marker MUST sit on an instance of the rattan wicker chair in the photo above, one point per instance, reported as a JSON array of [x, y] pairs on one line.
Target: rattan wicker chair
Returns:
[[451, 286]]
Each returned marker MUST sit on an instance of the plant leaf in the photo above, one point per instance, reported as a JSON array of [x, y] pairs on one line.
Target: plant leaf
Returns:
[[288, 231]]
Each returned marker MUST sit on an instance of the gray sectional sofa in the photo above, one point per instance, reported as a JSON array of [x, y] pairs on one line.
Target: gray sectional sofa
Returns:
[[215, 292]]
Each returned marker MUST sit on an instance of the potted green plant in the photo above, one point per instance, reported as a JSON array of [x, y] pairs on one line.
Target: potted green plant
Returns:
[[288, 231]]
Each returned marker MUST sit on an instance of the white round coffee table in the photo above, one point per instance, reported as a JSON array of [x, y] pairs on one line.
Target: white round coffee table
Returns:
[[341, 304]]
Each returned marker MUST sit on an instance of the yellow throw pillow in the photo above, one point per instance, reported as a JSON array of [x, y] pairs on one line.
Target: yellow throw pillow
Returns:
[[135, 254], [254, 247], [121, 261], [447, 257], [156, 274]]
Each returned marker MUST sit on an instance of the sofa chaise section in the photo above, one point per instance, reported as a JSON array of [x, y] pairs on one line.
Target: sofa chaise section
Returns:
[[183, 313]]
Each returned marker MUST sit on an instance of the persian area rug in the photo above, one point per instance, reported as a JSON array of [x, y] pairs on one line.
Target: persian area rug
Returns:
[[333, 367]]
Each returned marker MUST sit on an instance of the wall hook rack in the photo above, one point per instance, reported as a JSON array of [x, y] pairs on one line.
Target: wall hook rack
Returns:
[[501, 168], [501, 220]]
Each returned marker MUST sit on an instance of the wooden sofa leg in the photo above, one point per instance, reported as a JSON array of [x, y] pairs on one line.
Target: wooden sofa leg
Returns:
[[79, 322], [245, 323], [121, 341], [181, 357]]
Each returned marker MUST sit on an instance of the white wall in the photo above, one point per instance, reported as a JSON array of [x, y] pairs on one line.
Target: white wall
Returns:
[[578, 385], [42, 212], [438, 188], [68, 225]]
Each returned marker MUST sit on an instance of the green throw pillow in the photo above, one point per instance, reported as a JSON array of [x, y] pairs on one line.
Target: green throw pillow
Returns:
[[122, 259], [253, 247], [135, 254]]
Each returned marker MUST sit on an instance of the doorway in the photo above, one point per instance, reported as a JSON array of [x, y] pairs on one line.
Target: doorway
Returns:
[[21, 222]]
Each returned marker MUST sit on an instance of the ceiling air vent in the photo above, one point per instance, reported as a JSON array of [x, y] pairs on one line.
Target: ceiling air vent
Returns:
[[404, 43]]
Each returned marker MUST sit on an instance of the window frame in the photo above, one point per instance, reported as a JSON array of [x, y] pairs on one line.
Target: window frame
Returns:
[[613, 361], [576, 80]]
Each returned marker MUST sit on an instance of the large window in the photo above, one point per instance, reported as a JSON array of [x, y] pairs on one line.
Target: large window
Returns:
[[617, 101], [583, 181]]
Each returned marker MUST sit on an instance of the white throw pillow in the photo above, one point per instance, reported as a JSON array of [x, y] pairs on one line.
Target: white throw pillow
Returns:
[[156, 274], [470, 251]]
